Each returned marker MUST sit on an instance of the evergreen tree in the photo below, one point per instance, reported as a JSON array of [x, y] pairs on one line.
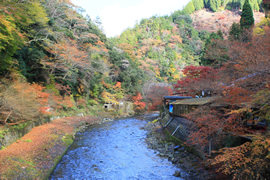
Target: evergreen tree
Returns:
[[198, 4], [220, 34], [207, 3], [266, 7], [235, 31], [189, 9], [214, 4], [247, 19]]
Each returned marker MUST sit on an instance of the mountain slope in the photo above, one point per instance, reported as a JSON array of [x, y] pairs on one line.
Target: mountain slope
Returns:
[[213, 21]]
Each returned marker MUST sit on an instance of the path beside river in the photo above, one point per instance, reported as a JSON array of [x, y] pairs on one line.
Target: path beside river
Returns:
[[34, 155]]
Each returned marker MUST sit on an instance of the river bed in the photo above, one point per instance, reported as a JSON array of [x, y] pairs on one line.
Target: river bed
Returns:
[[114, 150]]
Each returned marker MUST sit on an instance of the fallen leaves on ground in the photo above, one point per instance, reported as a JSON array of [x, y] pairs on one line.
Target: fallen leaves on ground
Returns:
[[34, 155]]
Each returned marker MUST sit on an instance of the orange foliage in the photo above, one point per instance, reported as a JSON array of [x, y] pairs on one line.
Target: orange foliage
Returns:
[[67, 54], [237, 95], [117, 85], [207, 124], [176, 39], [22, 101], [101, 45], [59, 102], [248, 161], [139, 106], [105, 84], [81, 102], [128, 49], [64, 90], [220, 17]]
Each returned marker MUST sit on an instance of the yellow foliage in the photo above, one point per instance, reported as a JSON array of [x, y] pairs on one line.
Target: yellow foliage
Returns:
[[259, 29], [108, 97], [38, 13]]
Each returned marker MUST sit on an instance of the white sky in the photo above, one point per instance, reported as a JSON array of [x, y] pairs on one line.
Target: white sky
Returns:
[[118, 15]]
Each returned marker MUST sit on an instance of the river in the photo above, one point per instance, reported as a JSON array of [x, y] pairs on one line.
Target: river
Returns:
[[113, 150]]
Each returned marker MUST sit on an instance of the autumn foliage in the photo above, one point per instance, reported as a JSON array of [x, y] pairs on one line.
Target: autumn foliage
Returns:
[[155, 96], [21, 101], [207, 124], [139, 106], [247, 161], [196, 78], [241, 86]]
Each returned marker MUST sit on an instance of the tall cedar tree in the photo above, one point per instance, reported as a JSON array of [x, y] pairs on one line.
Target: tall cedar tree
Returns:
[[266, 7], [247, 19]]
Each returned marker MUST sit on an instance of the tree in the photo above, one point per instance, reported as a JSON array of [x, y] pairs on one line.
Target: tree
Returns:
[[20, 22], [220, 34], [262, 26], [21, 101], [247, 19], [250, 60], [155, 96], [214, 4], [118, 90], [235, 31], [215, 53], [208, 126], [196, 78], [189, 9], [198, 4], [266, 7], [10, 40], [248, 161], [139, 106]]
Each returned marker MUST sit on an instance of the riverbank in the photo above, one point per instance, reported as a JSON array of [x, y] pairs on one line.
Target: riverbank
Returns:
[[35, 155], [192, 166]]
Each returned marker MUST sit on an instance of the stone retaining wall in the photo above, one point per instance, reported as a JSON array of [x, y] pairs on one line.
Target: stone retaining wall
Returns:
[[185, 127]]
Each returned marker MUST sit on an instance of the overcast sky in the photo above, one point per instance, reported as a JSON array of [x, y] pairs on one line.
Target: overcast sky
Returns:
[[118, 15]]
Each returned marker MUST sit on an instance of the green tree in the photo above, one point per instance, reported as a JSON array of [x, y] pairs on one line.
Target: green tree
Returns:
[[235, 31], [20, 22], [214, 4], [207, 3], [189, 9], [247, 19], [10, 40], [220, 34], [266, 7], [198, 4]]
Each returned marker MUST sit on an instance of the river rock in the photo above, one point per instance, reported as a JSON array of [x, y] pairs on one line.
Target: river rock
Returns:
[[177, 174]]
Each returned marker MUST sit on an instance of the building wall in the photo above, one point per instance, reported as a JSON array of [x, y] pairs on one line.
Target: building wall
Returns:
[[179, 109]]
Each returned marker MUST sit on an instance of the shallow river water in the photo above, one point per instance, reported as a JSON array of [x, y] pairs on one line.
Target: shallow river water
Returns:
[[114, 150]]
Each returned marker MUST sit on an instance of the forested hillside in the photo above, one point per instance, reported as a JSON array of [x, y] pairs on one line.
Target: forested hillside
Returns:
[[65, 62], [216, 5], [163, 47], [55, 61]]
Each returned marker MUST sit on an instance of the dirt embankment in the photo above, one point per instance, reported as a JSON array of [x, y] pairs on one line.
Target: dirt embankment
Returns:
[[213, 21], [35, 154]]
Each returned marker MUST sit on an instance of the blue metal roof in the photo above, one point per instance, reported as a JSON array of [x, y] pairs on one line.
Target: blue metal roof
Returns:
[[177, 97]]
